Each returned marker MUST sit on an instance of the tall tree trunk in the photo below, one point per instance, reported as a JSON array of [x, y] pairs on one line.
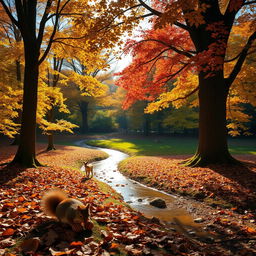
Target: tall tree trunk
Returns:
[[16, 140], [26, 155], [83, 105], [213, 90], [50, 117], [213, 147]]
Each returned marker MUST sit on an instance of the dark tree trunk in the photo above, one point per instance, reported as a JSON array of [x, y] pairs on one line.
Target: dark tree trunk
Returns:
[[16, 140], [50, 117], [83, 105], [26, 155], [213, 89], [213, 147]]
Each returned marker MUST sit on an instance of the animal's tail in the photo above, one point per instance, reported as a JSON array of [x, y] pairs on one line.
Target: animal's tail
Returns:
[[51, 199]]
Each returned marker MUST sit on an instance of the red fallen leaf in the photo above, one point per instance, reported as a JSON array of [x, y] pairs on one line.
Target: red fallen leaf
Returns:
[[250, 230], [114, 246], [25, 217], [99, 208], [7, 206], [21, 199], [107, 236], [30, 245], [76, 243], [8, 232], [139, 231], [211, 195], [21, 210], [34, 195], [102, 213], [58, 253]]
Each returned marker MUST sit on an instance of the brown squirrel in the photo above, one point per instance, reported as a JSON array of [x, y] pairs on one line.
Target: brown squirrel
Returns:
[[88, 170], [56, 203]]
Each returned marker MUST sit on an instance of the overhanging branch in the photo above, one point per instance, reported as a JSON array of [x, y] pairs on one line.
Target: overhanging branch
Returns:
[[241, 60], [249, 2], [155, 12], [187, 95], [187, 54], [8, 12]]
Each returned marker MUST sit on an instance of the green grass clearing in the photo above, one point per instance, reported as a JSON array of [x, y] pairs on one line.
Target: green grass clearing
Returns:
[[170, 146]]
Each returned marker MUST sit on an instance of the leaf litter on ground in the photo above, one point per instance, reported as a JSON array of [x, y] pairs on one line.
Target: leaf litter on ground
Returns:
[[118, 230]]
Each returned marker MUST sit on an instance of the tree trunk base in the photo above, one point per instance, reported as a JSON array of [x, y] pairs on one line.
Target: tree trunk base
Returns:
[[29, 162], [199, 160], [49, 148]]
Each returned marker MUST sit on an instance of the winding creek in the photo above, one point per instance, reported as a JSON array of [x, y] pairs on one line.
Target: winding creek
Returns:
[[138, 195]]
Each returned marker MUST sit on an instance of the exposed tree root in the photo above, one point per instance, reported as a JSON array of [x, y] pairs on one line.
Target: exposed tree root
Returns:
[[200, 160], [28, 162]]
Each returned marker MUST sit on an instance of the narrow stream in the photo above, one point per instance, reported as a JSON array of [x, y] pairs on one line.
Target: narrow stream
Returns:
[[138, 195]]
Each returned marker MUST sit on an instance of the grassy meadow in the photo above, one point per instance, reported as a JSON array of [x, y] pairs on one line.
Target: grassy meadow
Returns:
[[170, 145]]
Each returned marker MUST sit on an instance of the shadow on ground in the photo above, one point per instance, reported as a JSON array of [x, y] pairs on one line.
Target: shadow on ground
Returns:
[[243, 178]]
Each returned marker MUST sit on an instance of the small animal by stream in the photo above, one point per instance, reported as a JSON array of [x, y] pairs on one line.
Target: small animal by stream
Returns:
[[88, 168]]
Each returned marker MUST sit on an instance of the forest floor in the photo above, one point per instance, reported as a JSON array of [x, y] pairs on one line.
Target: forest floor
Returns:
[[118, 230]]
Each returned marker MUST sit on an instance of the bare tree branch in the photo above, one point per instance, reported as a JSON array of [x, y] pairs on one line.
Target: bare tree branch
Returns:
[[43, 21], [9, 13], [249, 2], [185, 53], [236, 57], [58, 11], [158, 55], [155, 12], [171, 76], [187, 95]]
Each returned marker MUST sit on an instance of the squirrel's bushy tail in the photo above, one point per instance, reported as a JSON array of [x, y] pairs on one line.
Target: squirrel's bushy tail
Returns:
[[51, 199]]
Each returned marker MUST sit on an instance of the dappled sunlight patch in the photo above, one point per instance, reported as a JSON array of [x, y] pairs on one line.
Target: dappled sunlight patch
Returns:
[[120, 144]]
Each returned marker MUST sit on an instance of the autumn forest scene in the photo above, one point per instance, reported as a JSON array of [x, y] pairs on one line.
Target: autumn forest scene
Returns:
[[128, 127]]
